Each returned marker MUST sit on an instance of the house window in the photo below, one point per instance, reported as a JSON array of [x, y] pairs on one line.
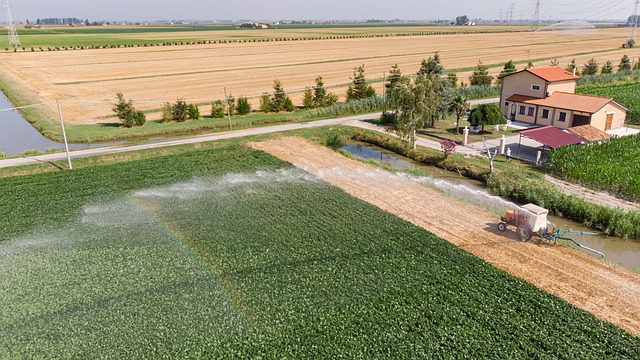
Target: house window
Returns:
[[506, 104], [535, 87], [563, 116], [545, 114], [522, 109], [531, 111]]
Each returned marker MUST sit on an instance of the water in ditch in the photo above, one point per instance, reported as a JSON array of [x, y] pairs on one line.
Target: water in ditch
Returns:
[[17, 136], [617, 250]]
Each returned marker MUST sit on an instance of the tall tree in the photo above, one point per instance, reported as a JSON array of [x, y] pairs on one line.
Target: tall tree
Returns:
[[481, 75], [590, 68], [458, 106], [359, 89], [462, 20], [625, 64], [416, 103], [431, 65]]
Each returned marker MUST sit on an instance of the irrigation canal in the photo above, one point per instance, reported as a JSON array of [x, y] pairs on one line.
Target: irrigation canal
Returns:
[[621, 251], [17, 136]]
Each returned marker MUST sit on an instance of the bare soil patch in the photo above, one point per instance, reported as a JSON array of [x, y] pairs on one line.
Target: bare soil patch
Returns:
[[609, 292]]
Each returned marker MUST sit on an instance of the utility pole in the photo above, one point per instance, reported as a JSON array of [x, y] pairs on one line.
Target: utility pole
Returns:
[[13, 34], [228, 107], [64, 135], [500, 17], [384, 93]]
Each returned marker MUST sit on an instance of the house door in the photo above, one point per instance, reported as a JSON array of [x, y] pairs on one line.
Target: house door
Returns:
[[609, 123], [514, 108]]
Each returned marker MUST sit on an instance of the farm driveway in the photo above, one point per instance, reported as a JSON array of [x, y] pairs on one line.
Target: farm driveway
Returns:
[[609, 292]]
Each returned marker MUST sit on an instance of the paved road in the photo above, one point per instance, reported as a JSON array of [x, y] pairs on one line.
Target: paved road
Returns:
[[356, 121]]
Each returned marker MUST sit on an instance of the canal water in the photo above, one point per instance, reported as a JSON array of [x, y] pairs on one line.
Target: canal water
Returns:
[[18, 136], [621, 251]]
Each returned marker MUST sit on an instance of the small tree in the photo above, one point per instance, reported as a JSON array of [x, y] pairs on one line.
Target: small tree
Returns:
[[529, 64], [193, 111], [509, 67], [167, 112], [431, 65], [265, 103], [127, 113], [217, 109], [140, 119], [458, 107], [231, 104], [607, 68], [452, 79], [322, 98], [280, 100], [486, 114], [573, 67], [590, 68], [625, 64], [481, 76], [307, 99], [394, 75], [180, 111], [448, 146], [359, 89], [244, 106], [554, 62]]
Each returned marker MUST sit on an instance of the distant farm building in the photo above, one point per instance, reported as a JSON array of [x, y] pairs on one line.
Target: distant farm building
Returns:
[[546, 96], [250, 25]]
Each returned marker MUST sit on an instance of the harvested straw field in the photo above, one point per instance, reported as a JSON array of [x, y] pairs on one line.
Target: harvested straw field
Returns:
[[87, 80]]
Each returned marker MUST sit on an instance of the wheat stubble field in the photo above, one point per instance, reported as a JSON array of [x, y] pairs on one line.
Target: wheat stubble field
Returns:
[[87, 80]]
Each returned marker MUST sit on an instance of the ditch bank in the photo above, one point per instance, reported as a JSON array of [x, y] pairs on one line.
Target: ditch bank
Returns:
[[607, 291]]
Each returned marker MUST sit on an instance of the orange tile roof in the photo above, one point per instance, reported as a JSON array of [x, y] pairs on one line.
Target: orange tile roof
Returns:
[[567, 101], [553, 73], [589, 133]]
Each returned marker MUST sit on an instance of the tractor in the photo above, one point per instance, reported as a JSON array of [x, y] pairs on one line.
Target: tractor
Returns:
[[528, 219]]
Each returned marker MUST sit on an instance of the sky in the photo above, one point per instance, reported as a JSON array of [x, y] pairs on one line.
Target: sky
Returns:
[[150, 10]]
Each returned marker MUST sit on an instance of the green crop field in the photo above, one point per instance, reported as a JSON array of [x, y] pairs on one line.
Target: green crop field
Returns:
[[230, 253], [626, 94], [612, 166]]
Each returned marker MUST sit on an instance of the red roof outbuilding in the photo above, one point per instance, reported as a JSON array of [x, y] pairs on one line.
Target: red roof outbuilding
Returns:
[[551, 136]]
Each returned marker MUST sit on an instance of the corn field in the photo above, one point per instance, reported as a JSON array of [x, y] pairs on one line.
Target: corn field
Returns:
[[613, 166]]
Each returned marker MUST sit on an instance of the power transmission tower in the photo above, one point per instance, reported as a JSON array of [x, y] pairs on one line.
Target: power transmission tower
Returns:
[[633, 26], [536, 16], [511, 15], [13, 34]]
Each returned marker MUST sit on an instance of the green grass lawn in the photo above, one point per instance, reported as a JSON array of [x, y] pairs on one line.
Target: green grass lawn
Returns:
[[228, 252], [446, 129]]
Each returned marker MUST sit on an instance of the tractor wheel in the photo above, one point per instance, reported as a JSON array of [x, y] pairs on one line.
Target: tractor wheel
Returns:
[[502, 226], [523, 232]]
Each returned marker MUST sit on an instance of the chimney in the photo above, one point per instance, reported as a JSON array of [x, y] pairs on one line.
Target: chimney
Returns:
[[574, 71]]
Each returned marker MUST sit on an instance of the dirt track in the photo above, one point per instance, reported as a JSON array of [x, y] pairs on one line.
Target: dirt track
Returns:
[[609, 292]]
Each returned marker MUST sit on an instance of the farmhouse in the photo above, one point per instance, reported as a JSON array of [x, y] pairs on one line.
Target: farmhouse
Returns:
[[545, 96]]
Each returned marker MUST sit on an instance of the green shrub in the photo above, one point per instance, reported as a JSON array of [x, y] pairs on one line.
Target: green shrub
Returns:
[[244, 106], [217, 109], [194, 112], [180, 111]]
